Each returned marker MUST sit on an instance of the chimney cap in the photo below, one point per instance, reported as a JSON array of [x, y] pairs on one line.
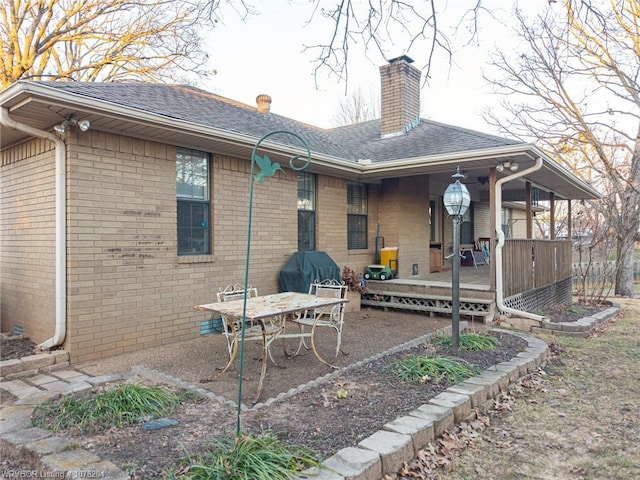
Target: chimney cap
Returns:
[[405, 58]]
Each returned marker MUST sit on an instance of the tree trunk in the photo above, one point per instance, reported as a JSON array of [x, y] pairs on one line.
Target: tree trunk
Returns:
[[629, 230], [624, 270]]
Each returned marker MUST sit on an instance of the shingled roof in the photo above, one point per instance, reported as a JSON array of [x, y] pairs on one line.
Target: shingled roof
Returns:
[[352, 142], [428, 138]]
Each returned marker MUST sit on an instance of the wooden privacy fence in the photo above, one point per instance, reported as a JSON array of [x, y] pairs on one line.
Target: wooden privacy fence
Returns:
[[595, 273], [530, 264]]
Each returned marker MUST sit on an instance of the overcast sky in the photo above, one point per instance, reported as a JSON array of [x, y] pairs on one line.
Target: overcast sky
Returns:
[[264, 54]]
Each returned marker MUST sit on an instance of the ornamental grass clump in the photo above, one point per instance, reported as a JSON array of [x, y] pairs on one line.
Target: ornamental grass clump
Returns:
[[250, 458], [91, 412], [427, 369], [469, 342]]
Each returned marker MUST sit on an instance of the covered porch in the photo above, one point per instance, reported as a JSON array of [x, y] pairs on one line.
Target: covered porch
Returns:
[[533, 273]]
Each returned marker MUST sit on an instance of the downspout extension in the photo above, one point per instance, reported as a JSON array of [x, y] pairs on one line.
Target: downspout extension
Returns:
[[61, 227], [499, 273]]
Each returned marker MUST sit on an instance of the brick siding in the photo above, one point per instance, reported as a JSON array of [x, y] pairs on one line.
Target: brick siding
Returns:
[[127, 288], [27, 239]]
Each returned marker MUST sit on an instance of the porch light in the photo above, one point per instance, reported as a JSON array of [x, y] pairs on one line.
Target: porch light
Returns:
[[62, 128], [501, 167], [456, 200]]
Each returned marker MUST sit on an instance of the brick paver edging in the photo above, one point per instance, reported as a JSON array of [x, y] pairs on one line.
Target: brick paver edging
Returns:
[[50, 455], [399, 441], [33, 364], [383, 452], [579, 328]]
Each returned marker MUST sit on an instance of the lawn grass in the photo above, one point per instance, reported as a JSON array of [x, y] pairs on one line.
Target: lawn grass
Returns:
[[582, 422]]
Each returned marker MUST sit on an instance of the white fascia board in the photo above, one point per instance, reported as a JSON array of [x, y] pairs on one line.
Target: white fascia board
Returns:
[[89, 105], [461, 158]]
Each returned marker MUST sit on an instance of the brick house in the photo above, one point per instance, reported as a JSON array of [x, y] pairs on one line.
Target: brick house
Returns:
[[111, 232]]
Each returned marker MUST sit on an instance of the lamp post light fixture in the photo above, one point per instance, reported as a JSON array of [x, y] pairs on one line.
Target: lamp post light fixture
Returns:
[[456, 200]]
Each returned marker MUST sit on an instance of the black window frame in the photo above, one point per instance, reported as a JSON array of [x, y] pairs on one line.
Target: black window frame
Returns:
[[193, 204], [357, 215], [307, 188], [466, 227]]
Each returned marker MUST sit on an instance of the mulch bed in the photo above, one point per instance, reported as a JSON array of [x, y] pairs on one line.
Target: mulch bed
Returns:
[[373, 397], [12, 348], [326, 418], [318, 418], [570, 313]]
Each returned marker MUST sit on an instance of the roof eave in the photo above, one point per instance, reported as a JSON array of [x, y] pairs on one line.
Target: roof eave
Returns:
[[444, 163], [22, 92]]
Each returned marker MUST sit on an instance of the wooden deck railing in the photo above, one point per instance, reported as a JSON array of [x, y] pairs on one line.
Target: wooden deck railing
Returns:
[[529, 264]]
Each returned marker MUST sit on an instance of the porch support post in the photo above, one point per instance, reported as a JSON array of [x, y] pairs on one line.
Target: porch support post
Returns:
[[552, 216], [569, 221], [455, 291], [527, 189], [492, 228]]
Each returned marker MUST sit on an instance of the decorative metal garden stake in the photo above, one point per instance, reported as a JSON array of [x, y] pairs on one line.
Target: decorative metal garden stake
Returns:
[[456, 200], [266, 169]]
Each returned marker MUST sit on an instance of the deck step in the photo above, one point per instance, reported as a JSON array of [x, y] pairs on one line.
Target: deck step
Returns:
[[424, 302]]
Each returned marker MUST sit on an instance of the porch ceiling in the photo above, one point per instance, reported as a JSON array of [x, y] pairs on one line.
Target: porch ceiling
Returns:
[[475, 165]]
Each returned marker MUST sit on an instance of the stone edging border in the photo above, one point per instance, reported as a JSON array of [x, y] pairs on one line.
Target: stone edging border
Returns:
[[579, 328], [385, 451], [33, 364]]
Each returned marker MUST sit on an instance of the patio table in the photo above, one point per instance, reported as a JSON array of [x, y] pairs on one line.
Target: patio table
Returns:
[[270, 311]]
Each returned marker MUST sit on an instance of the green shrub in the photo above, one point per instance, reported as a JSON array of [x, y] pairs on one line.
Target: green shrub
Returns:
[[426, 369], [244, 457], [91, 412], [470, 342]]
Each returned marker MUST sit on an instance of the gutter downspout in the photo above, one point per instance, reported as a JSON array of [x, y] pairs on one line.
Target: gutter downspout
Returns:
[[499, 274], [60, 222]]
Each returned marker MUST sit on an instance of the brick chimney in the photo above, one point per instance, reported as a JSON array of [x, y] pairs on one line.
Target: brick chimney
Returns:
[[264, 103], [400, 96]]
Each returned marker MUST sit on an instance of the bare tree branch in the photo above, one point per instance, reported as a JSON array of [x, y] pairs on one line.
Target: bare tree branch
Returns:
[[377, 25], [575, 91], [357, 107], [106, 40]]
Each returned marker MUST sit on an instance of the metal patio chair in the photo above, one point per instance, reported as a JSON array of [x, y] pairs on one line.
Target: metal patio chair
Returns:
[[332, 317], [232, 328]]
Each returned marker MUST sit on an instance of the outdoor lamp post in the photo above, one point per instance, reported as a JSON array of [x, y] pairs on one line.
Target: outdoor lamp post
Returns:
[[456, 200]]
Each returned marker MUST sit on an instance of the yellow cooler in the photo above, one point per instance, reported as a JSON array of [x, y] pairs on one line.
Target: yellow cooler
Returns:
[[389, 257]]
